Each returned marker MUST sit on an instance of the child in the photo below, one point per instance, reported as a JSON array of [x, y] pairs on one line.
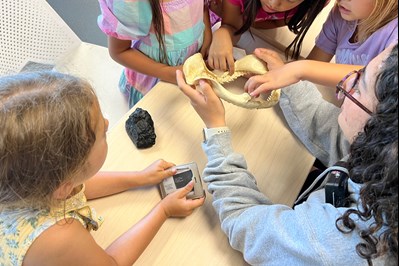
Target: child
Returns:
[[356, 31], [53, 139], [239, 15], [152, 39]]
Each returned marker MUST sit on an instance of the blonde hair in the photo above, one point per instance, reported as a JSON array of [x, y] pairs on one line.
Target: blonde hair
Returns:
[[46, 136], [384, 11]]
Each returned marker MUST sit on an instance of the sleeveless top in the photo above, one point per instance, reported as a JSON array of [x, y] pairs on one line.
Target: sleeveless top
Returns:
[[20, 227]]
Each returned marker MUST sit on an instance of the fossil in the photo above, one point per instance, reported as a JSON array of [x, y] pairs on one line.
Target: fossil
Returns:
[[194, 69]]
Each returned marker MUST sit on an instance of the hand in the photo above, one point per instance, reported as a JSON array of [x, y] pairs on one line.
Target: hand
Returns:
[[272, 58], [279, 75], [205, 102], [156, 172], [220, 54], [176, 204]]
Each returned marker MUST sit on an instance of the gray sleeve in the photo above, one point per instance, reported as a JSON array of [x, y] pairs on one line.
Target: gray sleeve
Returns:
[[314, 121], [267, 233]]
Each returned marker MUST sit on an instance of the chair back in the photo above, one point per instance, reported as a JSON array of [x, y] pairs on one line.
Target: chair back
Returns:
[[32, 32]]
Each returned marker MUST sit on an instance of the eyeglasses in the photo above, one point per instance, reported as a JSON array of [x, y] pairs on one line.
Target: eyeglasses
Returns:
[[342, 92]]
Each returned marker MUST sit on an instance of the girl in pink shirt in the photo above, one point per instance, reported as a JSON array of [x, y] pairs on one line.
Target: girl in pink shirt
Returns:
[[239, 15]]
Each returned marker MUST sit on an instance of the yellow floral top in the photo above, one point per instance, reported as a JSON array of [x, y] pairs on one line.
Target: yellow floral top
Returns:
[[20, 227]]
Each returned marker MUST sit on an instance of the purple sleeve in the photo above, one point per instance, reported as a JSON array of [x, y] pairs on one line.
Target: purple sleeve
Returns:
[[327, 40]]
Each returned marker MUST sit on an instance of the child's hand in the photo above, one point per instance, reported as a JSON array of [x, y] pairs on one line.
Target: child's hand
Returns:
[[176, 204], [156, 172], [272, 58], [279, 75], [220, 54]]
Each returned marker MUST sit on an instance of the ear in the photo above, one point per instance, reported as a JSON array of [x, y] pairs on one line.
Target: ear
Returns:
[[63, 191]]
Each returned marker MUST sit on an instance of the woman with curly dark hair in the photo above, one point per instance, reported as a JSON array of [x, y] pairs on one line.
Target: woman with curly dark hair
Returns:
[[352, 218], [373, 162]]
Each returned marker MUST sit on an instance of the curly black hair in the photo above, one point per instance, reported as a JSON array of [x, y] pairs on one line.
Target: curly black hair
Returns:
[[374, 163]]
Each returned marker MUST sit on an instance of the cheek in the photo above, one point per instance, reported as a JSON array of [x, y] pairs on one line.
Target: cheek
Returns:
[[364, 9], [347, 121]]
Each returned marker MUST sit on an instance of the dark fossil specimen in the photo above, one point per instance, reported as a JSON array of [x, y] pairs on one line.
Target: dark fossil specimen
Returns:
[[140, 128]]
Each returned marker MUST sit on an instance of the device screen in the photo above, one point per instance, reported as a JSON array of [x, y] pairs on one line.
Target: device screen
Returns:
[[183, 178]]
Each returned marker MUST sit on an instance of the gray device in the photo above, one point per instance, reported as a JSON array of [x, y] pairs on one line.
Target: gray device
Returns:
[[185, 173]]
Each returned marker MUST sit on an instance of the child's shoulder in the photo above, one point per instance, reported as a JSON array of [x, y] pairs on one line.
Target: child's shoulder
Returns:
[[66, 242]]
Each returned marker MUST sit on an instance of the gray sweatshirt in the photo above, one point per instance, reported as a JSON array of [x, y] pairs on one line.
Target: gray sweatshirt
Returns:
[[274, 234]]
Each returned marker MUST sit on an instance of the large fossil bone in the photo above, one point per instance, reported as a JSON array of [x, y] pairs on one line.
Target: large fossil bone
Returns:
[[194, 69]]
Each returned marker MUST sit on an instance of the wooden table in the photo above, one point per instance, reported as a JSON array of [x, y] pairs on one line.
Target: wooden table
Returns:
[[274, 155]]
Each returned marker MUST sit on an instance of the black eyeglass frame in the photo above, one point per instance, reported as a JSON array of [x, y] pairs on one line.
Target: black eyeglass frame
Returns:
[[340, 88]]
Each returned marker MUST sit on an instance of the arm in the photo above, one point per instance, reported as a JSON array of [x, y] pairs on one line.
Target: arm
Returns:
[[69, 243], [207, 33], [221, 49], [319, 55], [314, 121], [122, 53], [108, 183], [281, 75], [264, 232]]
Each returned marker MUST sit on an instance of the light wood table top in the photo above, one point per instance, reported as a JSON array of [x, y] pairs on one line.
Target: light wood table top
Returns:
[[274, 155]]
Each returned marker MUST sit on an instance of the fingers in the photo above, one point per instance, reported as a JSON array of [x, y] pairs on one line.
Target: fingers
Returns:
[[195, 203], [223, 63], [230, 63], [253, 85], [184, 87], [186, 189], [206, 89], [264, 53]]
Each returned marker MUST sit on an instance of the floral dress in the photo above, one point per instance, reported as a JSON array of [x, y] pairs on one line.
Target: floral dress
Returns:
[[20, 227]]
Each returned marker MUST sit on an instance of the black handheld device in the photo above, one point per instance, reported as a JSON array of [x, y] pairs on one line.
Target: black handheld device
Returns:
[[185, 173]]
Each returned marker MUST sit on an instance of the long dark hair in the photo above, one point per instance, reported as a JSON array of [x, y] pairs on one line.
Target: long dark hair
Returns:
[[159, 27], [374, 162], [299, 23]]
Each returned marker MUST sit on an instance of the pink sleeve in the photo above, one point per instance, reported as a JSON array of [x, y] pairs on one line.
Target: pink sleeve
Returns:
[[125, 19]]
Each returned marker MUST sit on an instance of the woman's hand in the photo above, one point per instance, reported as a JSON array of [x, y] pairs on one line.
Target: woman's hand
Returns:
[[176, 204], [205, 102], [156, 172]]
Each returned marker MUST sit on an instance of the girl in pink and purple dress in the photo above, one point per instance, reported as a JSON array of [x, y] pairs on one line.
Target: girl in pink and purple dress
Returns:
[[152, 39], [239, 15]]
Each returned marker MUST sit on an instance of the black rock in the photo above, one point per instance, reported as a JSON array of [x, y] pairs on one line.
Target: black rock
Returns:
[[140, 128]]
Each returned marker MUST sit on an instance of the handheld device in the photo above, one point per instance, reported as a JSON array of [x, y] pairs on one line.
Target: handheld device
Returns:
[[185, 173]]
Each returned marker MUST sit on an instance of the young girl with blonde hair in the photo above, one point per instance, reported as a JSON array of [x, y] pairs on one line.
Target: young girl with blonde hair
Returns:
[[356, 31], [52, 143]]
